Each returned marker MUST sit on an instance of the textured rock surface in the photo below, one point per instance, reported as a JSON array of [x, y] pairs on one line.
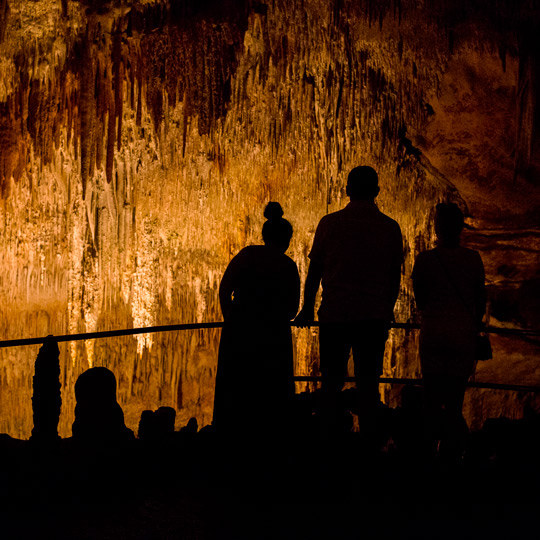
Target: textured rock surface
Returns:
[[140, 141]]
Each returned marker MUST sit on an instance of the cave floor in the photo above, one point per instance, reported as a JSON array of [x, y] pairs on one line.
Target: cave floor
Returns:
[[318, 494]]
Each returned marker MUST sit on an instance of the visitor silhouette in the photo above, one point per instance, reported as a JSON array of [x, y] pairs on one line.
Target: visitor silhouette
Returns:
[[449, 290], [357, 253], [259, 295]]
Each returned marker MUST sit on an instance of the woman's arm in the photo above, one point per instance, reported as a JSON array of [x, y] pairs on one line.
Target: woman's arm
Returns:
[[292, 299]]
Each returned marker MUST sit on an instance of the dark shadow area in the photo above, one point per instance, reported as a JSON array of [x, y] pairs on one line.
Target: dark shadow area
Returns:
[[204, 483]]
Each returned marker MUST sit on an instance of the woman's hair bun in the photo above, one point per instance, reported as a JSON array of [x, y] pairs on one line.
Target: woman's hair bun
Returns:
[[273, 210]]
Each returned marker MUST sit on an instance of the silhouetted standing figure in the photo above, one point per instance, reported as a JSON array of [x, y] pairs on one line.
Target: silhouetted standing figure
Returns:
[[449, 289], [259, 295], [357, 253]]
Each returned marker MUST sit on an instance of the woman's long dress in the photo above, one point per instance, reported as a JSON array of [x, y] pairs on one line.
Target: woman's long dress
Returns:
[[254, 382]]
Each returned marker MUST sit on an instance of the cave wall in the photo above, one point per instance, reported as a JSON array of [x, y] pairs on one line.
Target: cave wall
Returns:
[[140, 141]]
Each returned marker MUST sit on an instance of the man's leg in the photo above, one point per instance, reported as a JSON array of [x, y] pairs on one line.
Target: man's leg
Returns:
[[433, 412], [334, 349], [368, 343]]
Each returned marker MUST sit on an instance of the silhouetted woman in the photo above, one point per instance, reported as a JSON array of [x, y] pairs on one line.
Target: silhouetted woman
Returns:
[[449, 289], [259, 295]]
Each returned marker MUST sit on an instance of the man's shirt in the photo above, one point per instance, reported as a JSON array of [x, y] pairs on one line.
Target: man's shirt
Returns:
[[361, 252]]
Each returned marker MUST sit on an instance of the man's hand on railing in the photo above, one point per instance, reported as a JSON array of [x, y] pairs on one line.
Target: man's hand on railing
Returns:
[[305, 317]]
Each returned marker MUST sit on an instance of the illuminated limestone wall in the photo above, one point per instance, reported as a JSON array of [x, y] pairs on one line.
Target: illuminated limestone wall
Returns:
[[140, 142]]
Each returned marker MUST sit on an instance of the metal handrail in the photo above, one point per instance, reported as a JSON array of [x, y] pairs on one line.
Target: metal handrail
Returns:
[[199, 326], [299, 378], [418, 382]]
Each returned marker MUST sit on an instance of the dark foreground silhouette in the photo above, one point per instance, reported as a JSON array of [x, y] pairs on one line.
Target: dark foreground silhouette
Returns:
[[205, 484]]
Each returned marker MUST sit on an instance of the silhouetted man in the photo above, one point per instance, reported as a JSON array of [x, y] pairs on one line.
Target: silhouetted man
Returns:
[[357, 253]]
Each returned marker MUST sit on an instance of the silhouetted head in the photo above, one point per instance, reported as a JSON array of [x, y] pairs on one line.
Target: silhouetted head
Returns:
[[96, 385], [448, 223], [277, 231], [362, 184]]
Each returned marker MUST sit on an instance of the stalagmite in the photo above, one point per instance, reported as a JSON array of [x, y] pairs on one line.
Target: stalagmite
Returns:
[[46, 398]]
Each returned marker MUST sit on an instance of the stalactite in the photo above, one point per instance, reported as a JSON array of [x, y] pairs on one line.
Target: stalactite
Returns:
[[118, 83], [101, 108], [9, 146], [4, 14], [111, 134], [86, 111]]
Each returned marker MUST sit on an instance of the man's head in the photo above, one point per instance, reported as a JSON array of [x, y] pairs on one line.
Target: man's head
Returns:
[[362, 184], [449, 223]]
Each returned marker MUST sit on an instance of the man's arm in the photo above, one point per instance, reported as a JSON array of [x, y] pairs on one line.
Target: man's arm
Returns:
[[395, 281], [313, 280], [395, 273]]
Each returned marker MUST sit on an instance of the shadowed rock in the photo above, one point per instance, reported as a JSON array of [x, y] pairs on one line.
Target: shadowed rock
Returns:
[[46, 398], [98, 416]]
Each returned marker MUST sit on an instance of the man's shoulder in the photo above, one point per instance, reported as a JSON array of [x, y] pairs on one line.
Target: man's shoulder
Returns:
[[349, 215], [346, 214], [328, 220], [390, 222], [332, 216]]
